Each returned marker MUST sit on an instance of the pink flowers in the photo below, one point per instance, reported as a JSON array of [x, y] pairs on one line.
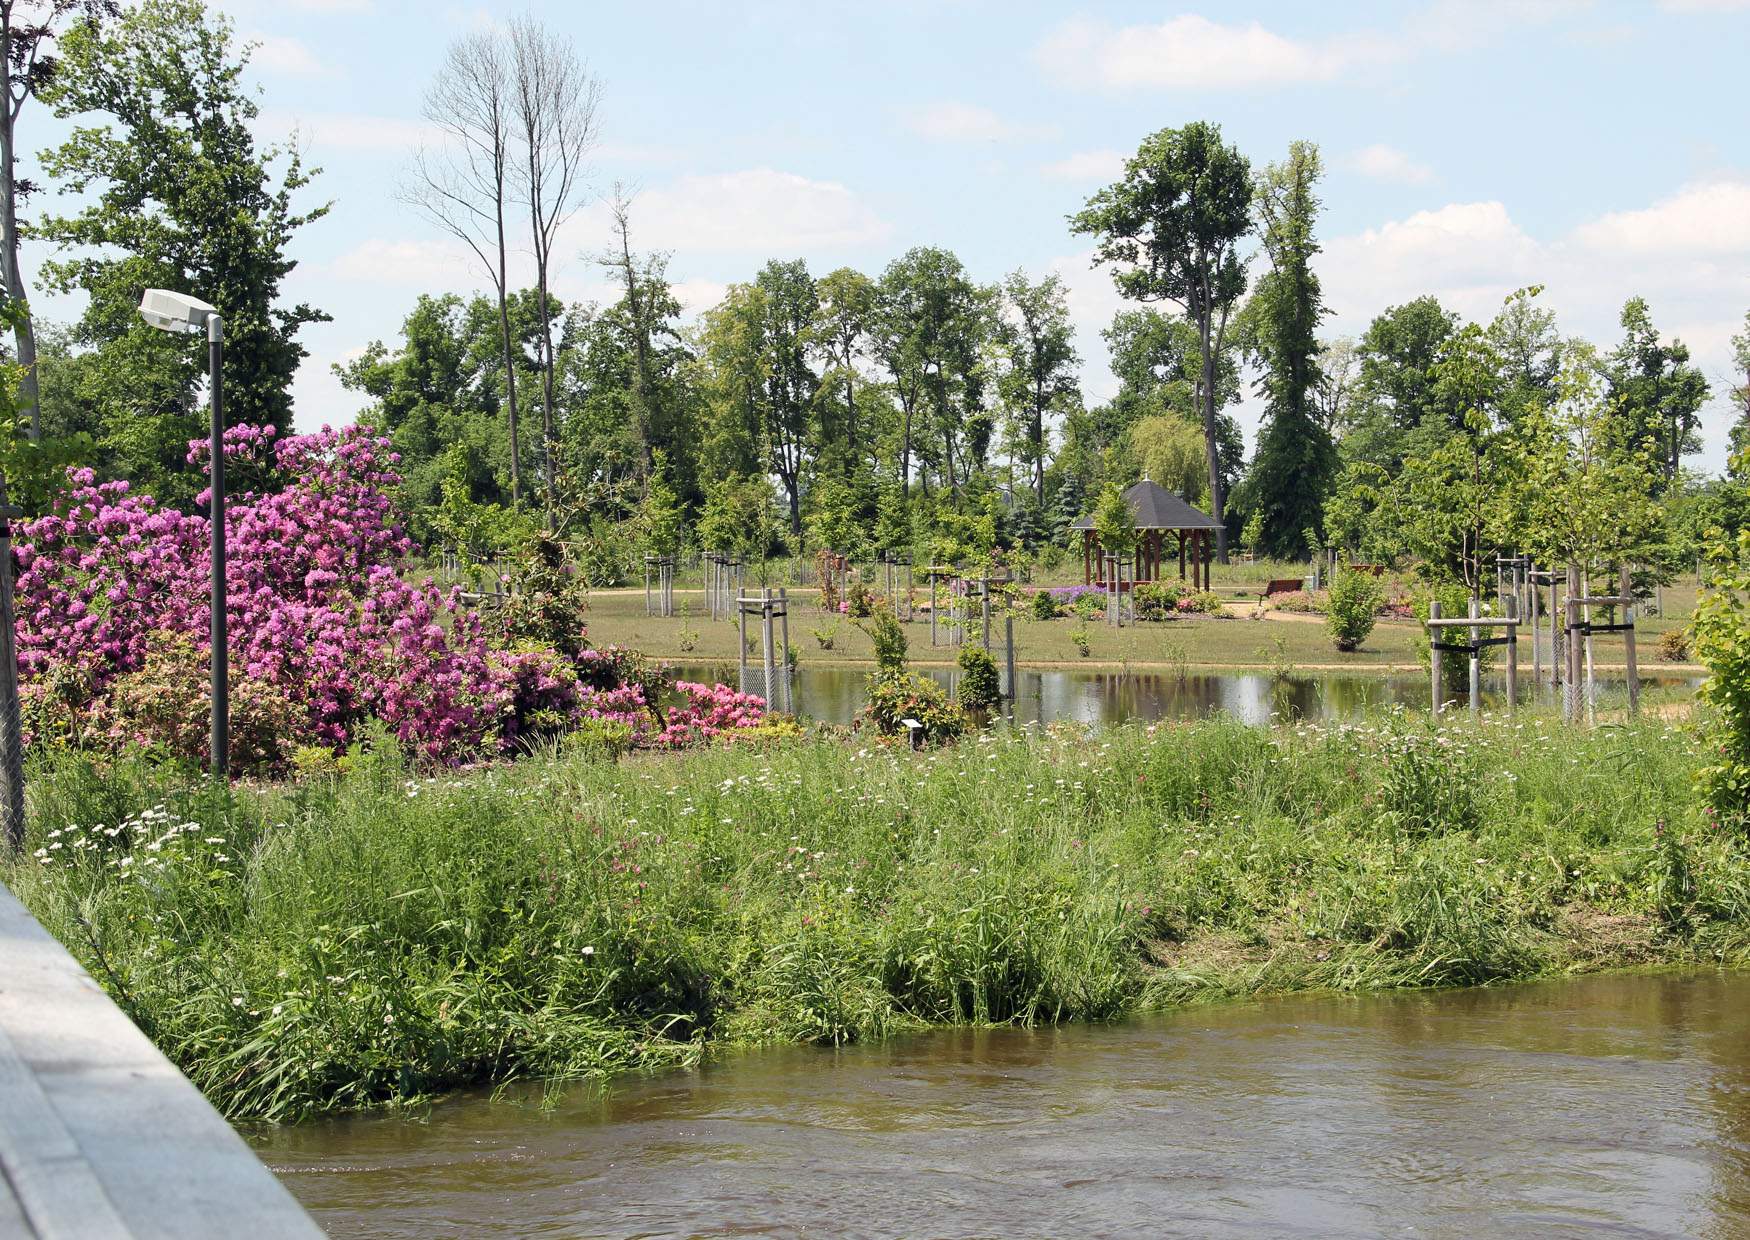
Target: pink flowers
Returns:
[[319, 610]]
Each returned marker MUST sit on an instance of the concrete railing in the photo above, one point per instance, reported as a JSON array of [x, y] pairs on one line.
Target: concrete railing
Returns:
[[100, 1135]]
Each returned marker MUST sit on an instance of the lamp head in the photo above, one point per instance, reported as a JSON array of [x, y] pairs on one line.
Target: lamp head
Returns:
[[176, 312]]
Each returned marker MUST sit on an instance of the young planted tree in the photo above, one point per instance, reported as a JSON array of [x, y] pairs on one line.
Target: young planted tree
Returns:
[[1035, 335], [1296, 458], [1171, 230], [463, 186], [554, 114]]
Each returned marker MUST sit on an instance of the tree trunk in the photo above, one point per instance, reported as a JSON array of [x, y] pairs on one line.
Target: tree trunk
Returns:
[[1211, 445], [640, 347], [1039, 446], [542, 255], [504, 342], [24, 331]]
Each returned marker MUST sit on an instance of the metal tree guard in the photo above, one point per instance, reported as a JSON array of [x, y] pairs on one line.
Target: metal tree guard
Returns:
[[772, 609]]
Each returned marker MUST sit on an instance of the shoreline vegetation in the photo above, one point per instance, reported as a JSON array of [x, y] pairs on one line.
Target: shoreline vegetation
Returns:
[[384, 935]]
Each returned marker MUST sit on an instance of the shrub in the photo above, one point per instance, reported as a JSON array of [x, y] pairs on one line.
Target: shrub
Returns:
[[888, 637], [548, 606], [980, 686], [1674, 645], [897, 696], [1154, 601], [1043, 605], [603, 739], [828, 636], [1089, 606], [1354, 601], [859, 600], [1079, 635], [165, 708], [1207, 603], [1454, 668]]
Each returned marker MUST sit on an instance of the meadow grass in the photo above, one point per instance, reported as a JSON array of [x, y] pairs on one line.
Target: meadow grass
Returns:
[[385, 935]]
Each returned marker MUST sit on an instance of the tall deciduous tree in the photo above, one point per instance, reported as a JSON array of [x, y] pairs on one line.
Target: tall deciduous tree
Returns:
[[787, 305], [1740, 434], [463, 185], [1035, 335], [1656, 392], [175, 193], [1295, 460], [555, 118], [842, 332], [1171, 230], [27, 34]]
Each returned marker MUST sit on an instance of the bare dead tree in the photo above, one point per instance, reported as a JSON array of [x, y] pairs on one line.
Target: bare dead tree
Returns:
[[463, 184], [619, 260], [556, 101]]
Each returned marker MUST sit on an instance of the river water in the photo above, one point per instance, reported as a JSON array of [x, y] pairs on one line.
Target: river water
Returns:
[[836, 694], [1615, 1105]]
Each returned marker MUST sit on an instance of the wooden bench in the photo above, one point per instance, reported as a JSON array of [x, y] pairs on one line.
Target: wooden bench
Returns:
[[1285, 585]]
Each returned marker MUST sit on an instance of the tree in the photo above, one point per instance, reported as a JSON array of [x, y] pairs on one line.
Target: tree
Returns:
[[27, 36], [1114, 523], [1740, 433], [640, 322], [174, 193], [463, 186], [1394, 411], [841, 332], [787, 304], [933, 324], [1171, 230], [1655, 391], [1036, 336], [555, 101], [1296, 459], [1168, 449]]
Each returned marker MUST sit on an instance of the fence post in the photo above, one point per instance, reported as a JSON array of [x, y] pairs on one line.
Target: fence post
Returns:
[[741, 614], [1476, 662], [766, 633], [1571, 678], [1434, 652], [984, 603], [934, 605], [1536, 637], [1513, 657], [1009, 648], [1628, 647], [784, 637]]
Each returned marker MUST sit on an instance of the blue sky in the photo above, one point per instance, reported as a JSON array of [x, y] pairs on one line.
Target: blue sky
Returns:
[[1473, 146]]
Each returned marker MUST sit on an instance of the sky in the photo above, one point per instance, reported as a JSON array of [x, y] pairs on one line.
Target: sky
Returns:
[[1595, 147]]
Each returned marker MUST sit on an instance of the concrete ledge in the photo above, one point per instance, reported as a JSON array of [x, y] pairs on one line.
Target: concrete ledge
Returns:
[[100, 1135]]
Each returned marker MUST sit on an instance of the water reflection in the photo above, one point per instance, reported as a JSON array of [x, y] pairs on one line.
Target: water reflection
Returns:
[[1613, 1104], [836, 694]]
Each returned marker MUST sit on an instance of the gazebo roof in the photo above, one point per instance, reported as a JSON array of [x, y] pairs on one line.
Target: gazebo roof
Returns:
[[1156, 508]]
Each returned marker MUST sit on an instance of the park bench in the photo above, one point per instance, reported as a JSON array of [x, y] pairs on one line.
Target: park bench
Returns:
[[1285, 585]]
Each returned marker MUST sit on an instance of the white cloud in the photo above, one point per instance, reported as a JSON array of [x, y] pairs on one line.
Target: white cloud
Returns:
[[1688, 254], [698, 296], [1087, 166], [412, 264], [1386, 163], [283, 54], [758, 210], [1698, 220], [1192, 52], [1188, 52], [347, 131], [952, 121], [1705, 6]]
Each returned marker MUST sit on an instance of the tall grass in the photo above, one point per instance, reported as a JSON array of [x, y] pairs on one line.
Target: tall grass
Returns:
[[382, 935]]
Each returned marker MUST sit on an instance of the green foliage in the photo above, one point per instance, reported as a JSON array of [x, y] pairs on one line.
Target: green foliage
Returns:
[[548, 606], [1674, 645], [604, 740], [980, 687], [895, 696], [1114, 523], [567, 917], [1454, 668], [1354, 603], [887, 635], [1043, 605], [1721, 627], [1083, 643], [173, 193]]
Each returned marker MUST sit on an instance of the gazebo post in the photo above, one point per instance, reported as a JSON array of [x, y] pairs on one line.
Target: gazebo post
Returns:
[[1087, 557]]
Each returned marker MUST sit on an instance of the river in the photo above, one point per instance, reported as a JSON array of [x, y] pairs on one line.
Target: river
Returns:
[[1611, 1105]]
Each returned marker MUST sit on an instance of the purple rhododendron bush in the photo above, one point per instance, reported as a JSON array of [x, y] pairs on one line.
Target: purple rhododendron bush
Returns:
[[328, 629]]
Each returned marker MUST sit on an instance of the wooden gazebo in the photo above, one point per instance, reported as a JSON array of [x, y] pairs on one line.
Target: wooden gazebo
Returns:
[[1158, 513]]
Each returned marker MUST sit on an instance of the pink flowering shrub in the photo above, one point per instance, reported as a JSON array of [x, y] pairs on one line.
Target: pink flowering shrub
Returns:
[[319, 612]]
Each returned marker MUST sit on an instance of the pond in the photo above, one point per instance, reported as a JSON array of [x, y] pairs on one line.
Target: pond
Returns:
[[836, 694], [1610, 1104]]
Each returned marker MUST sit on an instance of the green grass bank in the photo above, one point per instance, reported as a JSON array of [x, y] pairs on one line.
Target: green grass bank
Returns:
[[382, 936]]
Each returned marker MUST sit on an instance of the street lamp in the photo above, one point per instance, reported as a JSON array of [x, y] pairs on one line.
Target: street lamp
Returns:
[[177, 312]]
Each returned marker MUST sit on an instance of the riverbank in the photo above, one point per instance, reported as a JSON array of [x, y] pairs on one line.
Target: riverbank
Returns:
[[382, 936]]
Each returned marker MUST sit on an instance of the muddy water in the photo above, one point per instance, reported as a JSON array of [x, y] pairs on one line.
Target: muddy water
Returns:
[[1603, 1106], [836, 694]]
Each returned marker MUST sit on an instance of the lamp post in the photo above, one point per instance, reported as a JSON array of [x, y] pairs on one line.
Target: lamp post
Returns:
[[177, 312]]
